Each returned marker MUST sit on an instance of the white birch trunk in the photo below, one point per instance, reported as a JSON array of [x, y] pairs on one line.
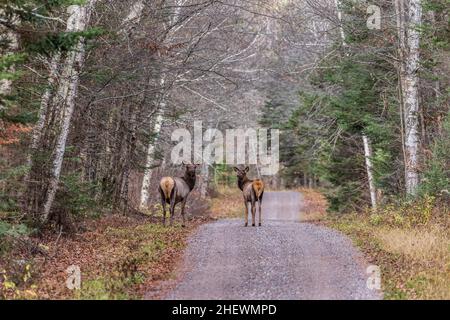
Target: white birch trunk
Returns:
[[369, 168], [400, 19], [145, 194], [412, 97], [150, 157], [67, 92], [341, 28], [13, 39], [204, 180], [45, 101], [156, 130]]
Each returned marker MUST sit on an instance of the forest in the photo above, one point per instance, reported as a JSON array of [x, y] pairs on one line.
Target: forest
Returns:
[[92, 90]]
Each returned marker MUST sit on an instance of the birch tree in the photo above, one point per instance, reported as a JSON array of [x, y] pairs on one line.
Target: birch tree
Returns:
[[151, 148], [411, 100], [171, 28], [11, 40], [44, 105], [369, 167], [66, 95], [400, 25]]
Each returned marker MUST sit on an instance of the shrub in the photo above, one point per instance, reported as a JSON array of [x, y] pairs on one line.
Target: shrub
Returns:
[[13, 230], [436, 177], [76, 196]]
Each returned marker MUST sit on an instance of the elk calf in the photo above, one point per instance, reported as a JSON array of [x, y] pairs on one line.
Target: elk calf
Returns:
[[174, 190], [252, 191]]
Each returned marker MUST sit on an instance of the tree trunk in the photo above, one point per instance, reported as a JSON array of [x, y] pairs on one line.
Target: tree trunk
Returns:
[[13, 39], [151, 152], [339, 15], [45, 101], [67, 92], [204, 182], [205, 170], [412, 97], [369, 168], [160, 115], [400, 18]]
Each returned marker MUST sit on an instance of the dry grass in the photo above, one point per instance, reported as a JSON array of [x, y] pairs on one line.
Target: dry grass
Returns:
[[425, 244], [228, 203], [413, 252], [426, 251], [314, 207]]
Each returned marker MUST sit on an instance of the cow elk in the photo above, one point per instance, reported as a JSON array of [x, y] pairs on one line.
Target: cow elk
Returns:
[[252, 191], [174, 190]]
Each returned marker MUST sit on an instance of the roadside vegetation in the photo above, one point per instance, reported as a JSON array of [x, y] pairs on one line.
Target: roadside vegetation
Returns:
[[314, 206], [119, 257], [410, 242], [227, 203]]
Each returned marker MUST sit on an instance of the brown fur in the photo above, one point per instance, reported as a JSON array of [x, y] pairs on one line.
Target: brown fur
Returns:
[[252, 191], [258, 187], [174, 190], [167, 184]]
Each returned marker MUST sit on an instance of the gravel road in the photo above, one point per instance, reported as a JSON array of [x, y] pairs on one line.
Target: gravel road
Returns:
[[283, 259]]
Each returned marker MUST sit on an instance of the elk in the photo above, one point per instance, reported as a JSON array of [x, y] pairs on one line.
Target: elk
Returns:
[[252, 191], [174, 190]]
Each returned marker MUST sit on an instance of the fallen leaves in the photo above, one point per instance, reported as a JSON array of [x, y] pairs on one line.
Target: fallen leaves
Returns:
[[119, 257]]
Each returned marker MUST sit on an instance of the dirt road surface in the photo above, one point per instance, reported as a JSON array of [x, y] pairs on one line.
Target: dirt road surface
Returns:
[[283, 259]]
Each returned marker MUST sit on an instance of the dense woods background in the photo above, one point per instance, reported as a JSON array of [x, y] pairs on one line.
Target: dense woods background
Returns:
[[91, 90]]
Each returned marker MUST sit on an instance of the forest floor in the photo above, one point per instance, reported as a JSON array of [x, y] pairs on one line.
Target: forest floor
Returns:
[[414, 258], [131, 257], [119, 257]]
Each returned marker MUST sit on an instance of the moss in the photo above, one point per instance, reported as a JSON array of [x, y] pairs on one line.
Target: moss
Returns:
[[102, 288]]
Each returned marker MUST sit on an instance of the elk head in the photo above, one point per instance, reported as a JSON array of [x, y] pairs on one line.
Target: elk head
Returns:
[[190, 169], [241, 174]]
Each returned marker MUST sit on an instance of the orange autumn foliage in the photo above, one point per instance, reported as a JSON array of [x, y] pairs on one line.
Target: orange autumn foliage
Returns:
[[10, 132]]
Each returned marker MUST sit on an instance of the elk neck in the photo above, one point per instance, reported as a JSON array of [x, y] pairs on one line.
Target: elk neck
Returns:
[[242, 182], [190, 181]]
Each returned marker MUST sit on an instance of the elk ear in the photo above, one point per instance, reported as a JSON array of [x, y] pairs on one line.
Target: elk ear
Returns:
[[236, 169], [246, 169]]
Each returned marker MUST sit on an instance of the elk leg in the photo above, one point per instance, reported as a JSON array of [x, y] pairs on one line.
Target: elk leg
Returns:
[[246, 212], [253, 213], [172, 210], [163, 205], [163, 202], [259, 209], [183, 204]]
